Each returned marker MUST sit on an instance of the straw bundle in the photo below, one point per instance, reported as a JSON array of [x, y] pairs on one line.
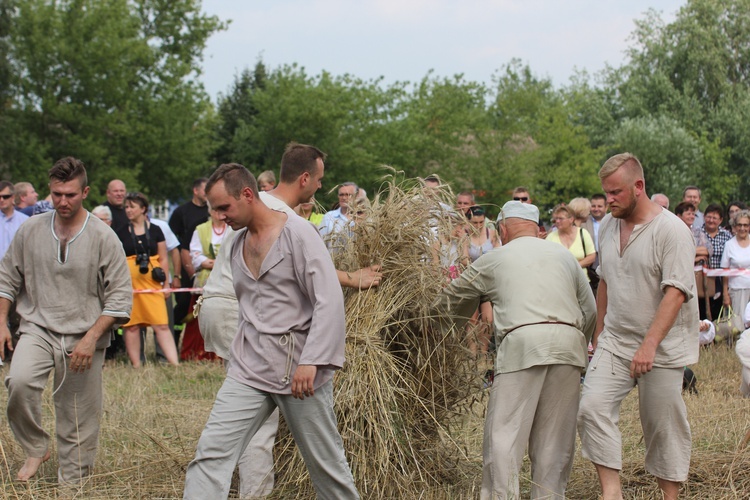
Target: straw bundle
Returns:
[[405, 380]]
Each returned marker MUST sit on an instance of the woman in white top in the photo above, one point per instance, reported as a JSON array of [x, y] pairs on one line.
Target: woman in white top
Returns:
[[737, 256]]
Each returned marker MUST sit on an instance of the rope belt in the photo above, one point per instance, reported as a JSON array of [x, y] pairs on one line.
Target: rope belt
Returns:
[[289, 341]]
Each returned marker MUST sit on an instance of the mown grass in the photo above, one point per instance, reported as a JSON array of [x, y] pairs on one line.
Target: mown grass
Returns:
[[153, 417]]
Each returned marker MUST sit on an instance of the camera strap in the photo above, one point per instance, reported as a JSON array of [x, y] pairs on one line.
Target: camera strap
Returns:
[[147, 249]]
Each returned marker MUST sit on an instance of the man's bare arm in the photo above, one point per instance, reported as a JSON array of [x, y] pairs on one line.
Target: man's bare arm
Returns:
[[187, 263], [363, 278], [174, 254], [5, 338], [601, 311]]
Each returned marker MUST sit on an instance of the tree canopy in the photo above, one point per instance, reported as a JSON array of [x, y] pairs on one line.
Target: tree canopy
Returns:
[[114, 82]]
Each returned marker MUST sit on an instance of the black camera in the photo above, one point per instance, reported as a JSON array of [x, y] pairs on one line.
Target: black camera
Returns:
[[142, 260], [158, 274]]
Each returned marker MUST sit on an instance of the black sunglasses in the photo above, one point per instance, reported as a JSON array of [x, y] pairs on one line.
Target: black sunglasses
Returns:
[[520, 198], [6, 196]]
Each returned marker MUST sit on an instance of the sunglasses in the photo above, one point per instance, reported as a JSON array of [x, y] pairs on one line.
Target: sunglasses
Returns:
[[6, 196], [520, 198]]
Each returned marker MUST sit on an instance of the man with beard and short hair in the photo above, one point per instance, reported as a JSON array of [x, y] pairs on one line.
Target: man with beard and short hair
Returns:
[[647, 319], [79, 264]]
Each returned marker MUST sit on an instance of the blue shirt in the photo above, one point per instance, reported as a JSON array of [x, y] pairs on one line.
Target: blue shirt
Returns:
[[8, 227], [333, 222]]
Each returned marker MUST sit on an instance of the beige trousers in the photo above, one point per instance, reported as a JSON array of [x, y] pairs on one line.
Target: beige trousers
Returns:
[[239, 412], [77, 397], [666, 430], [535, 407]]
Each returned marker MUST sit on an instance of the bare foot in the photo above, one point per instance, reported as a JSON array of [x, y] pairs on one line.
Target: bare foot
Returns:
[[31, 466]]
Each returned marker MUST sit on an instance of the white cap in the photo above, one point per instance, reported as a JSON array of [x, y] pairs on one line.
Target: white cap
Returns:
[[520, 211]]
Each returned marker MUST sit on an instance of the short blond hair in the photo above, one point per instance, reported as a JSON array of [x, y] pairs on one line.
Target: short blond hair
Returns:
[[267, 176], [20, 189], [628, 160], [580, 207]]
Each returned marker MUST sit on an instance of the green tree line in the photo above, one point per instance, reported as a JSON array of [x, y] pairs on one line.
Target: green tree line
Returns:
[[115, 83]]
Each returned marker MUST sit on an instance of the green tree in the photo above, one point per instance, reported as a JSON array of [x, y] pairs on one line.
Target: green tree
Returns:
[[112, 82], [670, 153], [335, 114], [695, 71], [542, 146], [236, 109]]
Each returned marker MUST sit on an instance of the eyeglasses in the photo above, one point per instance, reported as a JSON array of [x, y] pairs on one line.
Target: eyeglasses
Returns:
[[6, 196], [520, 198], [557, 219], [742, 225]]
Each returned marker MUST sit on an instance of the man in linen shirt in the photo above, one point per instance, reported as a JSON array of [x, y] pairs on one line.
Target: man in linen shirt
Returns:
[[66, 271], [289, 344], [647, 316], [544, 316]]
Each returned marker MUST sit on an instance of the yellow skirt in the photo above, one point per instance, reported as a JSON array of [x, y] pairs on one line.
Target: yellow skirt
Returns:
[[148, 308]]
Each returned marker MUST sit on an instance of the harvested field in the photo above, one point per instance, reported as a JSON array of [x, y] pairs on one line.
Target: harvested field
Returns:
[[409, 402], [152, 420]]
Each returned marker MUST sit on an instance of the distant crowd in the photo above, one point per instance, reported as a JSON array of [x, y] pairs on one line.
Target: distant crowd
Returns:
[[188, 253], [255, 284]]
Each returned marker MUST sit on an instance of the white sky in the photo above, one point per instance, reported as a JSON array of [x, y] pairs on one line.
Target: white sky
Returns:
[[402, 40]]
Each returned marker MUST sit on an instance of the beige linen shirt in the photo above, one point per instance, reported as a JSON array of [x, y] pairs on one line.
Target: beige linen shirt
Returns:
[[292, 314], [219, 284], [659, 254], [66, 294], [544, 311]]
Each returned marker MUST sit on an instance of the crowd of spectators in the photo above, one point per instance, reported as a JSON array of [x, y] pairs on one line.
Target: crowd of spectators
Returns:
[[186, 246]]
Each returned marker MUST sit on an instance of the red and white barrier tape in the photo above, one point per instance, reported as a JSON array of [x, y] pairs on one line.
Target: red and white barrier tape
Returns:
[[722, 272], [163, 290]]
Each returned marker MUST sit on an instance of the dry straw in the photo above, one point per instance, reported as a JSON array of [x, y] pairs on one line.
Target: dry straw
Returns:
[[405, 381]]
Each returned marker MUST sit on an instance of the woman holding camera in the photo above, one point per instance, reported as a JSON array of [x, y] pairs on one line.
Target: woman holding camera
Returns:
[[146, 253]]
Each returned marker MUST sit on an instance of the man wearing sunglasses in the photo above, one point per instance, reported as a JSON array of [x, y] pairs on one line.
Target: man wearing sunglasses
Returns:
[[10, 218], [521, 194]]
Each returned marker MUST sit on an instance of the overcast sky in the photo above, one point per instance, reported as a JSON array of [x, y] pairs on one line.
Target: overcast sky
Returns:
[[401, 40]]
